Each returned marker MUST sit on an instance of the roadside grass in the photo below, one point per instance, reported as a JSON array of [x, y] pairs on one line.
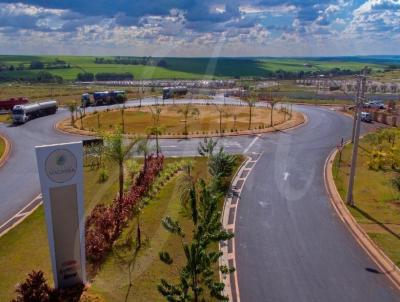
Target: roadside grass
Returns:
[[137, 120], [2, 146], [25, 248], [63, 93], [112, 281], [377, 203], [5, 118]]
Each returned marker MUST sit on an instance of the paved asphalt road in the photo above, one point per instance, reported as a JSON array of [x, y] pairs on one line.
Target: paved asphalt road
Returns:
[[19, 183], [290, 245]]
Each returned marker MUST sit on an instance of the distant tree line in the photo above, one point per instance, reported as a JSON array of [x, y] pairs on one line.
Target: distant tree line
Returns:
[[39, 77], [149, 61], [35, 65], [293, 75], [391, 67], [104, 76]]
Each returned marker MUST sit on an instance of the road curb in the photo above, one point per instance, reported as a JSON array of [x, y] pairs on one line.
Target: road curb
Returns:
[[229, 212], [7, 149], [386, 266]]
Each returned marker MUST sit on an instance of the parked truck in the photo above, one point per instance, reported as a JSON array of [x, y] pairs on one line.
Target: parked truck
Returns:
[[10, 103], [23, 113], [171, 92], [103, 98]]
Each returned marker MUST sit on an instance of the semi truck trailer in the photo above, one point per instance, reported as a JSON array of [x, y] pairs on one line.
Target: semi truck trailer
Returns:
[[103, 98], [23, 113], [10, 103], [171, 92]]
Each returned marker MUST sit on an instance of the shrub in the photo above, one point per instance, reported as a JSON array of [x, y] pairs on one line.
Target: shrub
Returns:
[[34, 289], [105, 222], [103, 175]]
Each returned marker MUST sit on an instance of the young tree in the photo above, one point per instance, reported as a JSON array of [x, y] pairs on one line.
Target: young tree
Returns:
[[220, 165], [143, 147], [156, 129], [123, 118], [251, 101], [272, 101], [72, 108], [197, 275], [221, 111], [185, 184], [206, 148], [187, 111]]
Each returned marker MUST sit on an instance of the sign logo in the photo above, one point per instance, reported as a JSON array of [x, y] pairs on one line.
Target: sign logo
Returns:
[[61, 165]]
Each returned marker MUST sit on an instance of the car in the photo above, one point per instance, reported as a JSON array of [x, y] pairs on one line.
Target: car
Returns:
[[375, 105], [366, 117]]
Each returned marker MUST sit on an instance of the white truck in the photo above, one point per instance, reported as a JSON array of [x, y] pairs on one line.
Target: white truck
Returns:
[[23, 113]]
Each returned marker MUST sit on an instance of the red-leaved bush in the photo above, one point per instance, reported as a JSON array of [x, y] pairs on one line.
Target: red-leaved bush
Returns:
[[36, 289], [105, 222]]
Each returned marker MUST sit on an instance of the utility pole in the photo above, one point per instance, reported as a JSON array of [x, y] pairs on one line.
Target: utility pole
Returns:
[[360, 101], [353, 133]]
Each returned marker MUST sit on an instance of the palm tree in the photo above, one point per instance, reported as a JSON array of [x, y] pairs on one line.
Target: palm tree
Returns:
[[116, 150], [156, 131], [187, 111], [142, 147]]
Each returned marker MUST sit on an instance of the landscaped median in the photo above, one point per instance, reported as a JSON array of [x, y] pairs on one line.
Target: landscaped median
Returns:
[[376, 213], [25, 247], [185, 120]]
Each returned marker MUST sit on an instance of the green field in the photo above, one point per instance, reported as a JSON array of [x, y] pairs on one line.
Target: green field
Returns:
[[184, 68]]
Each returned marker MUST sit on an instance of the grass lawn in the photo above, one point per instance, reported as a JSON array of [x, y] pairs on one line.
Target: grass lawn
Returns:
[[25, 248], [377, 201], [2, 146], [138, 119]]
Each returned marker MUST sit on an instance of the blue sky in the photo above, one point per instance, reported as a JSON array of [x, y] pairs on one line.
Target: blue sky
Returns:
[[200, 27]]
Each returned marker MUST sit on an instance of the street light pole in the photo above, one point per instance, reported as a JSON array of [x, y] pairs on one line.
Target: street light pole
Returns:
[[359, 105]]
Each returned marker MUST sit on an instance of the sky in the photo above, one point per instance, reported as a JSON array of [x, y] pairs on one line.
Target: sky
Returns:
[[205, 28]]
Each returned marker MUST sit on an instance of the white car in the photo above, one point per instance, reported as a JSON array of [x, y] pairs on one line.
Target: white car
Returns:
[[366, 117]]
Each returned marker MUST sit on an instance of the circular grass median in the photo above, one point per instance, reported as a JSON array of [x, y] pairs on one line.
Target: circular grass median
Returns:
[[184, 119]]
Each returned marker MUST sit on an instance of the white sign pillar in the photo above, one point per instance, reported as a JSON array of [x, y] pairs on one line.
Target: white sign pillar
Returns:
[[61, 178]]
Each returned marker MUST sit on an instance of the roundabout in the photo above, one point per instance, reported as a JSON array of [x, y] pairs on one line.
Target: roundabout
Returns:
[[185, 120], [289, 243]]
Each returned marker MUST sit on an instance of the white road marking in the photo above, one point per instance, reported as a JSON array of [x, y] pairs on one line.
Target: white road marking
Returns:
[[251, 144], [172, 146], [286, 175]]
